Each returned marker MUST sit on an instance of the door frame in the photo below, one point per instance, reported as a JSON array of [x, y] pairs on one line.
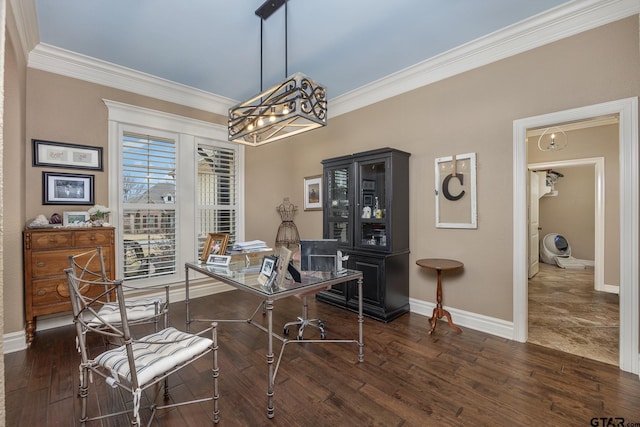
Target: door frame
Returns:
[[627, 111], [599, 235]]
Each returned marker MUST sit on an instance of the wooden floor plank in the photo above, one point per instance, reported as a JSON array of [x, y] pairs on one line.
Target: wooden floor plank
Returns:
[[408, 378]]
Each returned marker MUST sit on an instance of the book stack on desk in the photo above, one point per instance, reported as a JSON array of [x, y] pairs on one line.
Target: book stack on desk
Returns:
[[249, 247]]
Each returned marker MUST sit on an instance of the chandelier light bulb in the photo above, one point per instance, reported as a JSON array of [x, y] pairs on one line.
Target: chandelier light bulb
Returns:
[[260, 121], [557, 140]]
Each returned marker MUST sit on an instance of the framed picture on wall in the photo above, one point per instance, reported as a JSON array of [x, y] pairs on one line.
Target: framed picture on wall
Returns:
[[67, 189], [69, 156], [313, 193], [456, 191]]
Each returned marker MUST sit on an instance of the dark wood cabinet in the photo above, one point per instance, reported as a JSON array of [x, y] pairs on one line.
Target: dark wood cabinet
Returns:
[[366, 208], [46, 255]]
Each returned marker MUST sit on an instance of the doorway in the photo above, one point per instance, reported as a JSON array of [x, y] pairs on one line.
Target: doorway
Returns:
[[570, 309], [627, 111]]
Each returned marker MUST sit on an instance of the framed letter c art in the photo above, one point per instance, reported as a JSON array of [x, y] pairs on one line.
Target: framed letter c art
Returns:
[[456, 191]]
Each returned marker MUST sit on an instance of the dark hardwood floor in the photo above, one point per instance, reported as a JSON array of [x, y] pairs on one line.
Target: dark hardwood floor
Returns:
[[408, 378]]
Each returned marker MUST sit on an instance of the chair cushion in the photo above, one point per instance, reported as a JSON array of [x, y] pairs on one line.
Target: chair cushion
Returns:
[[154, 359], [137, 309]]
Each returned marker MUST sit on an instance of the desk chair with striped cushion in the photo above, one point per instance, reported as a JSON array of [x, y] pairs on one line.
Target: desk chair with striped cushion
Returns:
[[90, 266], [140, 364]]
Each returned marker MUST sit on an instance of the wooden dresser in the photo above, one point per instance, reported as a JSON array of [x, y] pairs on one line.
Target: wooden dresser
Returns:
[[46, 255]]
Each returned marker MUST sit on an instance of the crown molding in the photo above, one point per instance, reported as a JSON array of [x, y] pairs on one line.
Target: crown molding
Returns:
[[71, 64], [555, 24], [23, 25]]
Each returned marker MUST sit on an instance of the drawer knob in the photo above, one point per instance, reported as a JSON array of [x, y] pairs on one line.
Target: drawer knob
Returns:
[[40, 264], [42, 293]]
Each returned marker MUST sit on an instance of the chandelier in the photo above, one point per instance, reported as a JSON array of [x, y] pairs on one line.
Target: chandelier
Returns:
[[295, 105], [552, 139]]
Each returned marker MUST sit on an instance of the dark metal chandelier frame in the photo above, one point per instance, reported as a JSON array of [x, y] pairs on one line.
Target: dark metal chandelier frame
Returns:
[[295, 105]]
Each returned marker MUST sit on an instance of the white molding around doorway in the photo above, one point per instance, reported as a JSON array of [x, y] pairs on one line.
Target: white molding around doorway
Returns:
[[598, 164], [627, 110]]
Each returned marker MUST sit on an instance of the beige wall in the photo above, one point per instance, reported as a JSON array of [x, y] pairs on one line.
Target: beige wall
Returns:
[[571, 212], [599, 141], [14, 188], [472, 112]]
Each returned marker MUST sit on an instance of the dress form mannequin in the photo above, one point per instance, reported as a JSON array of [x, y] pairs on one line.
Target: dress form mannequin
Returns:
[[287, 231]]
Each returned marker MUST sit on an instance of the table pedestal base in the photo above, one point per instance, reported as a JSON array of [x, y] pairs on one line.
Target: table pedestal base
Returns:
[[439, 313]]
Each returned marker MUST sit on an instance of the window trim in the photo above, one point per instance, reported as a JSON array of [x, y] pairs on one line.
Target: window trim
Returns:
[[187, 130]]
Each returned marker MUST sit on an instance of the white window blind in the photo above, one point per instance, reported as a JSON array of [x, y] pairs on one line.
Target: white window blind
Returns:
[[149, 203], [217, 192]]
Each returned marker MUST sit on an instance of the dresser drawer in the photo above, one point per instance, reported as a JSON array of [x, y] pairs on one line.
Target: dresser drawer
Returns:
[[53, 263], [51, 240], [49, 263], [56, 291], [50, 291], [92, 239]]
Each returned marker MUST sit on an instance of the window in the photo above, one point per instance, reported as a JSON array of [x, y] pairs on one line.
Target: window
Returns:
[[177, 181], [148, 220], [217, 192]]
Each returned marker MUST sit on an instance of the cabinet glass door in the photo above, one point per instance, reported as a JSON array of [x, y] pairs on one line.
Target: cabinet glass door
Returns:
[[372, 230], [337, 206]]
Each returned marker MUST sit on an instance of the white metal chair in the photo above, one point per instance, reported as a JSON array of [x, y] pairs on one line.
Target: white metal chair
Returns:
[[90, 265], [139, 363]]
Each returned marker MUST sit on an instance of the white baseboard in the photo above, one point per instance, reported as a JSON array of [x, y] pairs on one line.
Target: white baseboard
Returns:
[[478, 322], [16, 341]]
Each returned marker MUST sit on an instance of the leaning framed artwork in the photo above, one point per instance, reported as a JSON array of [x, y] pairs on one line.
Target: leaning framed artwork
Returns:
[[456, 200], [74, 218], [63, 155], [67, 189], [313, 193], [216, 244]]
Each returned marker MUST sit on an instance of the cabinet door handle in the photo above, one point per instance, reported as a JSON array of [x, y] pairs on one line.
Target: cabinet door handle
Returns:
[[42, 293]]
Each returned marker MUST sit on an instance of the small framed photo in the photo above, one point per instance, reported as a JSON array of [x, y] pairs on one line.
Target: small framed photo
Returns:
[[67, 189], [313, 193], [368, 185], [267, 270], [63, 155], [216, 244], [219, 260], [74, 218]]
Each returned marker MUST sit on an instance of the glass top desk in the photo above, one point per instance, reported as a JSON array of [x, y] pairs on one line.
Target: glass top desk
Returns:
[[246, 279]]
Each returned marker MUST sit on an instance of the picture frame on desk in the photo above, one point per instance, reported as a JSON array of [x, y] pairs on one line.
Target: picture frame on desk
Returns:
[[267, 270], [216, 244]]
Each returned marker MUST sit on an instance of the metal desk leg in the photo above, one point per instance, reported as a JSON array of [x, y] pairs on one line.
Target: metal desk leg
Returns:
[[269, 307], [215, 373], [360, 322], [186, 298]]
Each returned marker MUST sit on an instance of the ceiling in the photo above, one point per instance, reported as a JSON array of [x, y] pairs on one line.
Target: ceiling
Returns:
[[214, 45]]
